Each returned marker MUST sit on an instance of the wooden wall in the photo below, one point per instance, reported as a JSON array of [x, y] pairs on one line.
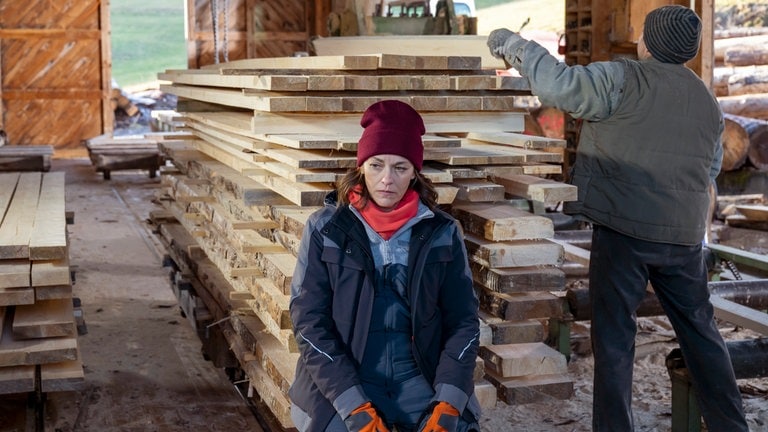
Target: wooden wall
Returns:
[[254, 28], [55, 71]]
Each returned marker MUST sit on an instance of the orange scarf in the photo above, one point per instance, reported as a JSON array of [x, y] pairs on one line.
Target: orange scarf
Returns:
[[386, 223]]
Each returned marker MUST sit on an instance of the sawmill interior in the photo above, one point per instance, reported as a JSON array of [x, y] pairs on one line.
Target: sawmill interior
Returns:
[[145, 278]]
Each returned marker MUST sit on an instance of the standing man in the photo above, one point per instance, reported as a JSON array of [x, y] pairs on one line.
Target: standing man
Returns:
[[649, 149]]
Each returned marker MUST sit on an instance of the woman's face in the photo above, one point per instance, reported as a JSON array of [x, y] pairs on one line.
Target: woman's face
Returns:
[[387, 178]]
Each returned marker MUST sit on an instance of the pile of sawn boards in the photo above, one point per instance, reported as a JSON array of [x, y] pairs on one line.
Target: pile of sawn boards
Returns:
[[272, 135], [38, 329]]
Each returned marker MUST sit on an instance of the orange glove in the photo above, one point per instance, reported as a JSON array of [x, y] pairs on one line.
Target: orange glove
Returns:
[[365, 418], [442, 417]]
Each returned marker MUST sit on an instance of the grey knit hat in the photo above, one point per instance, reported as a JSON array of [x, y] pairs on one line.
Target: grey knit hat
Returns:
[[672, 33]]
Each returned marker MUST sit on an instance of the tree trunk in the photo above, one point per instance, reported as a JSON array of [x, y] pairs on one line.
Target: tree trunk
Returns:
[[748, 105], [721, 45], [745, 55], [735, 144], [722, 74], [757, 131], [748, 80], [737, 32]]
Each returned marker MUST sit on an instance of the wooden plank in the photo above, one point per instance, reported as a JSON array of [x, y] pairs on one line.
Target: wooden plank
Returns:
[[518, 279], [532, 389], [311, 159], [63, 376], [478, 190], [513, 253], [49, 238], [536, 188], [350, 62], [18, 224], [14, 274], [524, 359], [460, 45], [502, 222], [520, 306], [16, 296], [15, 352], [754, 212], [304, 194], [518, 140], [279, 268], [514, 332], [271, 300], [51, 273], [349, 124], [573, 252], [45, 318]]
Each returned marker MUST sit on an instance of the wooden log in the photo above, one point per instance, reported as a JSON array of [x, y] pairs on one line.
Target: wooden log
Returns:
[[737, 32], [747, 82], [757, 133], [745, 55], [749, 105], [721, 45], [735, 144]]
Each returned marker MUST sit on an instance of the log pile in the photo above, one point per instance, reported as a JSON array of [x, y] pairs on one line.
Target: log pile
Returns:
[[38, 330], [740, 82], [270, 138]]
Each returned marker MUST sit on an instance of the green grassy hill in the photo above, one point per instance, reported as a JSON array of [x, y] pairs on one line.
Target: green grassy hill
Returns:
[[147, 38]]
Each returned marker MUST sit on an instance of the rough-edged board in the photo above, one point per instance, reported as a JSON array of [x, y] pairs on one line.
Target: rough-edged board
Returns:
[[49, 238], [515, 253], [43, 319], [502, 222], [518, 279], [524, 359]]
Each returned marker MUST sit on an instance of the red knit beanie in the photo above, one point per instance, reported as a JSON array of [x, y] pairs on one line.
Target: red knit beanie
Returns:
[[391, 127]]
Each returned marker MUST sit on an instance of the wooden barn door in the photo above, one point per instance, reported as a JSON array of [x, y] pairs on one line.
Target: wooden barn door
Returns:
[[226, 30], [55, 72]]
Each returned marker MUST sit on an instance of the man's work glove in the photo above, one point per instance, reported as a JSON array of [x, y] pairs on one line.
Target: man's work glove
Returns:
[[439, 417], [504, 44], [365, 418]]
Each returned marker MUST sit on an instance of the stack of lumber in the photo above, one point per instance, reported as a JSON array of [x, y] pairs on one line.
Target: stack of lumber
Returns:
[[745, 211], [740, 82], [38, 333], [25, 158], [271, 137], [128, 152]]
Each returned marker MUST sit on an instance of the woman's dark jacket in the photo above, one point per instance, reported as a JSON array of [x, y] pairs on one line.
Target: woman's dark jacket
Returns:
[[332, 298]]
